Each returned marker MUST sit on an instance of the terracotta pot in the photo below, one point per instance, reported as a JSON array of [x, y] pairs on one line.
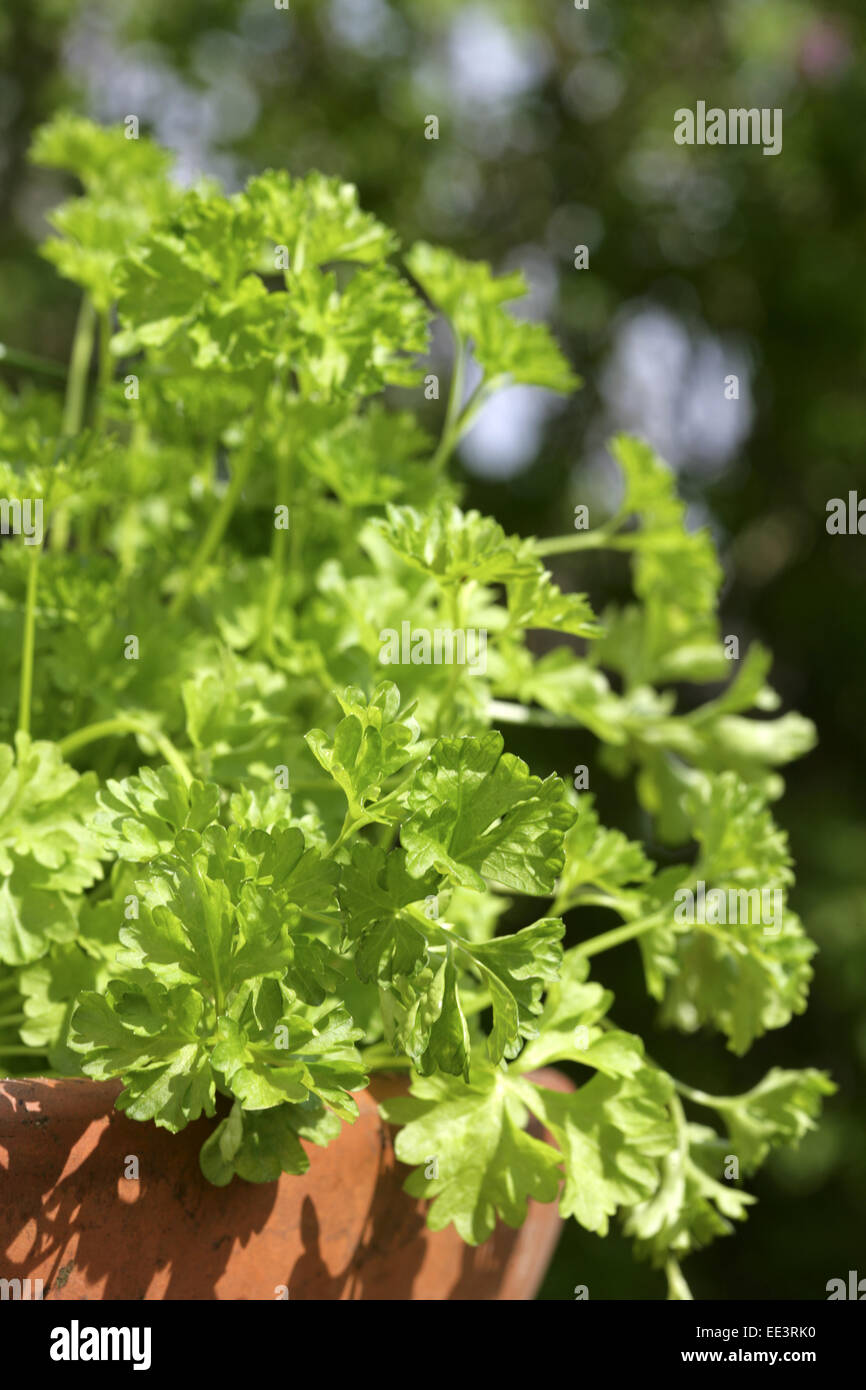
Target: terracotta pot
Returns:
[[345, 1230]]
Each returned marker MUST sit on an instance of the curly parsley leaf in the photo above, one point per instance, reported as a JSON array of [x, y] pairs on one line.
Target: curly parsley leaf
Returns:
[[476, 813], [50, 848], [374, 740], [487, 1165], [508, 350]]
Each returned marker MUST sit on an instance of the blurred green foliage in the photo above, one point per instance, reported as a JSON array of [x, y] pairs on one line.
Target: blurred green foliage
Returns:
[[555, 129]]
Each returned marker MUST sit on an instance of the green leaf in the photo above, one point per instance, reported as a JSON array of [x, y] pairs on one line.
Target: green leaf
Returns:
[[740, 843], [487, 1165], [369, 459], [475, 810], [375, 887], [781, 1109], [472, 298], [141, 816], [103, 158], [515, 970], [152, 1039], [371, 743], [736, 977], [317, 218], [294, 875], [568, 1029], [127, 186], [691, 1207], [565, 685], [535, 601], [423, 1015], [742, 961], [611, 1132], [51, 987], [676, 576], [50, 849], [260, 1145], [186, 931], [262, 1073], [455, 545], [598, 858]]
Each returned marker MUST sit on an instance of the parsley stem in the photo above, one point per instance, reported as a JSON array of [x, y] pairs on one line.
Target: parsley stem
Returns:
[[388, 836], [601, 539], [221, 517], [22, 1050], [25, 688], [702, 1098], [452, 607], [509, 712], [79, 366], [105, 361], [678, 1288], [320, 917], [457, 421], [74, 402], [108, 728], [10, 983], [212, 922], [379, 1057], [279, 547], [31, 362], [605, 940], [455, 400], [348, 827], [10, 1020]]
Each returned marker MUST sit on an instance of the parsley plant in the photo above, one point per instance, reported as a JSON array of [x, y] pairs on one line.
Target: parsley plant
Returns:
[[237, 859]]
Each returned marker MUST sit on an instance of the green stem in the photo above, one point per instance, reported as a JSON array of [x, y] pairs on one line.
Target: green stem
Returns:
[[11, 1020], [388, 836], [602, 539], [508, 712], [21, 1050], [449, 434], [348, 827], [10, 983], [105, 361], [279, 548], [397, 792], [379, 1057], [320, 917], [678, 1288], [702, 1097], [74, 403], [108, 728], [25, 689], [30, 362], [219, 994], [372, 816], [583, 899], [79, 366], [220, 519], [606, 940], [453, 608]]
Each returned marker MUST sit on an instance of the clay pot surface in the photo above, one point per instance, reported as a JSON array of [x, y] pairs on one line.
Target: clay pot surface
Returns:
[[343, 1230]]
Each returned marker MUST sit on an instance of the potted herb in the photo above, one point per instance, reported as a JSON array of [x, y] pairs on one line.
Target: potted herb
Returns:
[[259, 829]]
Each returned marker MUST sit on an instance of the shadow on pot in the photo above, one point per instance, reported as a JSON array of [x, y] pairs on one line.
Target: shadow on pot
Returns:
[[72, 1217]]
